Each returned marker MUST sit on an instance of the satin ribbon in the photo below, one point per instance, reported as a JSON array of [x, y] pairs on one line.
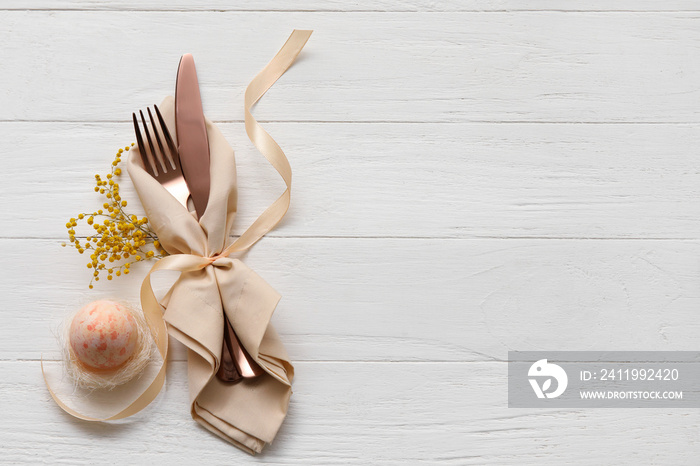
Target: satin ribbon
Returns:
[[153, 312]]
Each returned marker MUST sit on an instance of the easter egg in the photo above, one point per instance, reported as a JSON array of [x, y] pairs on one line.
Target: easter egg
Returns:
[[103, 335]]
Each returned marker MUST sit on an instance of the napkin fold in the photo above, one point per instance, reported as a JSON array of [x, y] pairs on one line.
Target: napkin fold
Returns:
[[248, 413]]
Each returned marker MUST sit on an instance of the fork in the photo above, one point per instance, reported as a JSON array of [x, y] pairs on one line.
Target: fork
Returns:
[[236, 364], [163, 167]]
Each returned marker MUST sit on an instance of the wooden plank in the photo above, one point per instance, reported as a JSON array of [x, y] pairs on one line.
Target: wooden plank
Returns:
[[365, 5], [398, 180], [408, 299], [455, 67], [354, 413]]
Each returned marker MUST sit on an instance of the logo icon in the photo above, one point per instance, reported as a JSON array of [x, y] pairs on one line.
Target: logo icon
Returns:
[[542, 369]]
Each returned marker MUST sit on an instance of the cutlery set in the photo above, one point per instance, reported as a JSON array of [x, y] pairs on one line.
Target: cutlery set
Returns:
[[183, 170]]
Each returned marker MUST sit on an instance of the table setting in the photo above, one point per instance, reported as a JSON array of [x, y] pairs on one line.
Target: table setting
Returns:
[[469, 181], [184, 172]]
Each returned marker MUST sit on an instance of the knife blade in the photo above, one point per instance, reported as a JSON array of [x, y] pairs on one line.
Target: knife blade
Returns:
[[191, 130], [193, 147]]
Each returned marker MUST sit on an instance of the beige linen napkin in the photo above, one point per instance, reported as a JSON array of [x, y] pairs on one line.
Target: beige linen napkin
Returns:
[[249, 413]]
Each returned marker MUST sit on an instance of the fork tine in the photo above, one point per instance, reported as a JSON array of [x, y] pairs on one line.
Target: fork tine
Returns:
[[142, 149], [156, 157], [166, 171], [174, 156], [157, 138]]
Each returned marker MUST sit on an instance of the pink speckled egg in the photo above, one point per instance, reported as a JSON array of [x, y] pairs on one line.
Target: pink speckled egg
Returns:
[[103, 335]]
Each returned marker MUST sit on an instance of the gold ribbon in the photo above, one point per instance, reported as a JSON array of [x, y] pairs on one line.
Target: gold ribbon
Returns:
[[152, 309]]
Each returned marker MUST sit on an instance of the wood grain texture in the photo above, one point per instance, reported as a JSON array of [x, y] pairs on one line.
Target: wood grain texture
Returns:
[[399, 180], [416, 300], [499, 66], [356, 413], [388, 6], [470, 177]]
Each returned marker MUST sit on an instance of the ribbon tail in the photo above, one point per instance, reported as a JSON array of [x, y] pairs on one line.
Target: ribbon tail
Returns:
[[264, 142]]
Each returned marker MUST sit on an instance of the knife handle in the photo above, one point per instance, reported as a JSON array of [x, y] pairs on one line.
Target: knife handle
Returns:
[[236, 363]]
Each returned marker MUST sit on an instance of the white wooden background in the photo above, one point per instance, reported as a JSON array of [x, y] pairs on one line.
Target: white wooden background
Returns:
[[470, 178]]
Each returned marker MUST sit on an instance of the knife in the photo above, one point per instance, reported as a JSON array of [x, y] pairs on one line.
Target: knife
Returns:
[[192, 141], [193, 147]]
